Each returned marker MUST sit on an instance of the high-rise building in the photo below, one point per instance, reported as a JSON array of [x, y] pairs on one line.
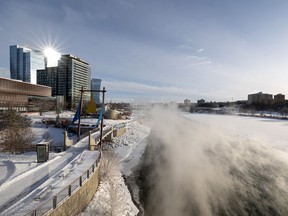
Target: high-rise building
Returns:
[[49, 77], [73, 73], [24, 63], [96, 85]]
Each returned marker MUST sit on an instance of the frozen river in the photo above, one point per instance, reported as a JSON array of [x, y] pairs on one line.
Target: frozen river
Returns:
[[198, 164], [272, 132]]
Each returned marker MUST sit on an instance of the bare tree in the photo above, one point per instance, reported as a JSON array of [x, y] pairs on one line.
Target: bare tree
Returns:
[[16, 134], [110, 172], [109, 165]]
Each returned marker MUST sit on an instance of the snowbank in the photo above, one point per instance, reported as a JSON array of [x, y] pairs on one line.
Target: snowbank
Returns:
[[113, 191]]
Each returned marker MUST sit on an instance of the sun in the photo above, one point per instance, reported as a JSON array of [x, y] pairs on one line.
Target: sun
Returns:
[[52, 56]]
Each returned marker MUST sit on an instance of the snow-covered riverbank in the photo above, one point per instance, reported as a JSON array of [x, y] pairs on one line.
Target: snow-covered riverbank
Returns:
[[128, 150], [15, 166]]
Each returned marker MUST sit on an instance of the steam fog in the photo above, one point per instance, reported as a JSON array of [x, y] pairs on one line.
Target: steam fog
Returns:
[[194, 169]]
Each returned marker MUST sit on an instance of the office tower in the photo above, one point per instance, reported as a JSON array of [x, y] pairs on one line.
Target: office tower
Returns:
[[24, 63], [73, 73], [49, 77], [96, 85]]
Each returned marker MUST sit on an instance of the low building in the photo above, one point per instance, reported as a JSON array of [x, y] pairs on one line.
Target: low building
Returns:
[[279, 98], [200, 102], [16, 94], [187, 102]]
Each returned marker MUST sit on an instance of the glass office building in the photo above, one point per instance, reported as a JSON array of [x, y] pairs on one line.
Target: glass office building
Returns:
[[49, 77], [96, 85], [73, 73], [24, 63]]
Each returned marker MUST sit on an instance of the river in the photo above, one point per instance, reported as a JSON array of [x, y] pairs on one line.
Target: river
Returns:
[[213, 165]]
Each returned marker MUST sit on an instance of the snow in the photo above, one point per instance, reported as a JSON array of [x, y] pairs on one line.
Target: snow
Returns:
[[128, 148], [35, 177], [22, 177], [40, 181], [115, 191], [52, 185], [54, 170], [271, 132], [13, 165]]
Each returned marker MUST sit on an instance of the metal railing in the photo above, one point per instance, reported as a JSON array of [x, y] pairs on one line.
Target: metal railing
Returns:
[[58, 198]]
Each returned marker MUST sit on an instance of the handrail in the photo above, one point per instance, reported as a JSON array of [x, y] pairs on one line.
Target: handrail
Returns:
[[62, 195]]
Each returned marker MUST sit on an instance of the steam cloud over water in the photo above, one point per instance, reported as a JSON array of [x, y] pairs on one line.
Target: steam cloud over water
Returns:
[[191, 169]]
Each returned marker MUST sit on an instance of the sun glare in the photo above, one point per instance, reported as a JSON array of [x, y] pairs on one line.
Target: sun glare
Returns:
[[52, 56]]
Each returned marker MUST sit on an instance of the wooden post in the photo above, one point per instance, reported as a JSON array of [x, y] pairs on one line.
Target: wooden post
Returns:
[[54, 202], [101, 131], [79, 120], [69, 190]]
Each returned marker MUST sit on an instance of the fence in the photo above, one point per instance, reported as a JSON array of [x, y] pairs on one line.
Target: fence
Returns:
[[62, 195]]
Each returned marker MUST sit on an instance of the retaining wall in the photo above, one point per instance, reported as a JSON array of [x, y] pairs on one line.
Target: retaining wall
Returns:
[[79, 200]]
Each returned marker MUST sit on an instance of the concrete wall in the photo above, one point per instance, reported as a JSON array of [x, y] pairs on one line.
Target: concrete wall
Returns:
[[119, 132], [93, 145], [78, 201], [67, 142]]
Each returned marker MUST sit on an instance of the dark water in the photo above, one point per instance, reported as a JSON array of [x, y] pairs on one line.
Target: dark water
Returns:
[[225, 176]]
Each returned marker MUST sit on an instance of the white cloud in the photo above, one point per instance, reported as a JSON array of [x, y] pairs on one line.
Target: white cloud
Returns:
[[153, 92], [185, 46], [202, 63], [126, 4], [200, 50], [134, 91], [197, 60], [142, 88]]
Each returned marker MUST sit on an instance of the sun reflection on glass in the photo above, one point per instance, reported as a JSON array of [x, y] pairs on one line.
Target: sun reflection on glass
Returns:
[[52, 56]]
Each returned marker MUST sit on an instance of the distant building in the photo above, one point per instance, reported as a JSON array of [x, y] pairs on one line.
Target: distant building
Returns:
[[200, 102], [279, 98], [16, 94], [96, 85], [260, 98], [24, 63], [187, 102], [49, 77], [73, 73]]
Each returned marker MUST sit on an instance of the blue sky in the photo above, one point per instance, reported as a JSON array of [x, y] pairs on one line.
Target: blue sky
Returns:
[[161, 50]]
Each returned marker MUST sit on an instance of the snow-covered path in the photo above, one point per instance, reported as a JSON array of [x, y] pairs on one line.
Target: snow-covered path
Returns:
[[16, 193]]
